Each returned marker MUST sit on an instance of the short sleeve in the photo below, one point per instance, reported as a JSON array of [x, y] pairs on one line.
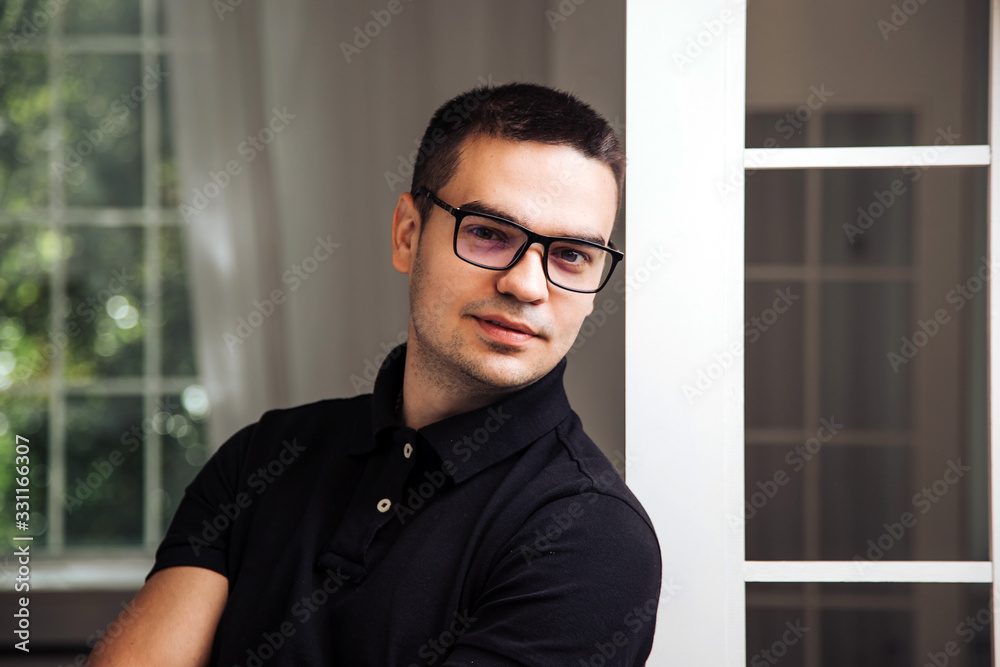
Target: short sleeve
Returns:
[[199, 534], [580, 579]]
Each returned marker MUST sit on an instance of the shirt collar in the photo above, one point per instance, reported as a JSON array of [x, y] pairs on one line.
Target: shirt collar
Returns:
[[474, 440]]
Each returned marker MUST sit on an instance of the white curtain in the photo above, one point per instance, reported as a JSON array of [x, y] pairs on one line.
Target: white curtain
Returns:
[[315, 107]]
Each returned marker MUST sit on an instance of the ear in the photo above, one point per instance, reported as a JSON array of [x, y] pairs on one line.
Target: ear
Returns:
[[405, 233]]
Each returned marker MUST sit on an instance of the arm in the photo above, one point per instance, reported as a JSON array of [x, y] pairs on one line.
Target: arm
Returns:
[[578, 583], [171, 621]]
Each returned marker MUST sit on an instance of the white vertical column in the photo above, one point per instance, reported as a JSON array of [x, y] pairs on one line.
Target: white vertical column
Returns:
[[993, 343], [685, 99]]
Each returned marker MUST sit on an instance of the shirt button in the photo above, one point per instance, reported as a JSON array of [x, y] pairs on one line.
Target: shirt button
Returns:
[[407, 450], [384, 504]]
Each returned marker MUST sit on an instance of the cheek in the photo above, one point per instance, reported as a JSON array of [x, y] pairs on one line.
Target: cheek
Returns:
[[572, 318]]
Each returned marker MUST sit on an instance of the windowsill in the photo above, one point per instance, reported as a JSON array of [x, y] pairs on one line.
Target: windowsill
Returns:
[[81, 572]]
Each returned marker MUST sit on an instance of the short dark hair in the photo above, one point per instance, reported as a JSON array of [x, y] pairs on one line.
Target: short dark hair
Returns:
[[515, 112]]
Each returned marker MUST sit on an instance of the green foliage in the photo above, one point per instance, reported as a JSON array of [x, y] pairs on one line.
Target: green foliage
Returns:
[[79, 136]]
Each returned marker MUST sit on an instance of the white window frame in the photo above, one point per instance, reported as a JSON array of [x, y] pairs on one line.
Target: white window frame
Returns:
[[117, 568], [686, 118]]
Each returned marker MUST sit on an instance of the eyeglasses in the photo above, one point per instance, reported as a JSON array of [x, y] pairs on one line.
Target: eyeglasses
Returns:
[[490, 242]]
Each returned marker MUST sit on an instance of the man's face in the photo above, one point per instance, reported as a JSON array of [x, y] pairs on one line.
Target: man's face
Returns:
[[485, 330]]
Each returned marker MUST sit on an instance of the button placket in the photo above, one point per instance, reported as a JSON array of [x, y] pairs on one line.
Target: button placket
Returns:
[[380, 490]]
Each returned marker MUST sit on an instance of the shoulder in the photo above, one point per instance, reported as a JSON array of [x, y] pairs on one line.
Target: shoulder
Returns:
[[299, 427], [578, 503], [592, 472], [320, 412]]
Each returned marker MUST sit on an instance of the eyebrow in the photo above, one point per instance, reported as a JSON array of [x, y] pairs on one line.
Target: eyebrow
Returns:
[[482, 207]]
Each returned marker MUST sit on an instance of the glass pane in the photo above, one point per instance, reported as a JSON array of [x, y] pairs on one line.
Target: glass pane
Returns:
[[24, 20], [104, 463], [862, 322], [895, 355], [103, 153], [24, 131], [774, 334], [160, 18], [868, 128], [775, 129], [773, 509], [775, 216], [871, 56], [868, 216], [104, 17], [105, 305], [27, 417], [775, 635], [27, 344], [869, 510], [876, 626], [185, 447], [177, 342], [169, 187]]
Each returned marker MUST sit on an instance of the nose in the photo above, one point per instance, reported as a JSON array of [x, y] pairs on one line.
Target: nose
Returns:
[[526, 279]]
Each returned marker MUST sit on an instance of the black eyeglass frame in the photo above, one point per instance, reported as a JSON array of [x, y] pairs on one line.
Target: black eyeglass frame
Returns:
[[532, 238]]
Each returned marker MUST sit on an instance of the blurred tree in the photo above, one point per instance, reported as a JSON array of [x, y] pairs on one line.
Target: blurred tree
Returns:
[[71, 135]]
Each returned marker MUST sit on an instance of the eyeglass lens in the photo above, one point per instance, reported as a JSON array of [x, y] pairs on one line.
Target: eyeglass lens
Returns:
[[494, 244]]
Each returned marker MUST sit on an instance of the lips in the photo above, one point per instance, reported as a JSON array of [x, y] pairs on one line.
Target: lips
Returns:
[[508, 324], [504, 331]]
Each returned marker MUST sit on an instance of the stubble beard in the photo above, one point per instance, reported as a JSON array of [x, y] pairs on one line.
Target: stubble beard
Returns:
[[446, 358]]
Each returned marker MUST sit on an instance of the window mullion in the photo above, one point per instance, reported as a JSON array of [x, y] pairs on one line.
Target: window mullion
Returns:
[[152, 480], [856, 157], [57, 323], [993, 343]]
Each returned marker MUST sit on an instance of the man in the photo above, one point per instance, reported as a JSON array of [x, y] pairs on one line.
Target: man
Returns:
[[458, 515]]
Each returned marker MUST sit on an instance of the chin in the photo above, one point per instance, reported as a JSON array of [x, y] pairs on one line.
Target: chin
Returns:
[[510, 372]]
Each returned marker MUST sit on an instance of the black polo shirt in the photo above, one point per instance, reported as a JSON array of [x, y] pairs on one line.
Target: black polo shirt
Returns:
[[501, 536]]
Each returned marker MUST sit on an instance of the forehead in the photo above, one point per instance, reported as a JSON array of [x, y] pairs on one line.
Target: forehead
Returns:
[[554, 190]]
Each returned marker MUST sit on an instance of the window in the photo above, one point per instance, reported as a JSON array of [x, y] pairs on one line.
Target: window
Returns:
[[818, 385], [97, 362]]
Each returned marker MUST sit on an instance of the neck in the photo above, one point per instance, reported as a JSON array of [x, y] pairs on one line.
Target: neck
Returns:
[[430, 395]]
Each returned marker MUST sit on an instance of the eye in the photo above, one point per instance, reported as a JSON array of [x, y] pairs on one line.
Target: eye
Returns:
[[484, 233], [572, 256]]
